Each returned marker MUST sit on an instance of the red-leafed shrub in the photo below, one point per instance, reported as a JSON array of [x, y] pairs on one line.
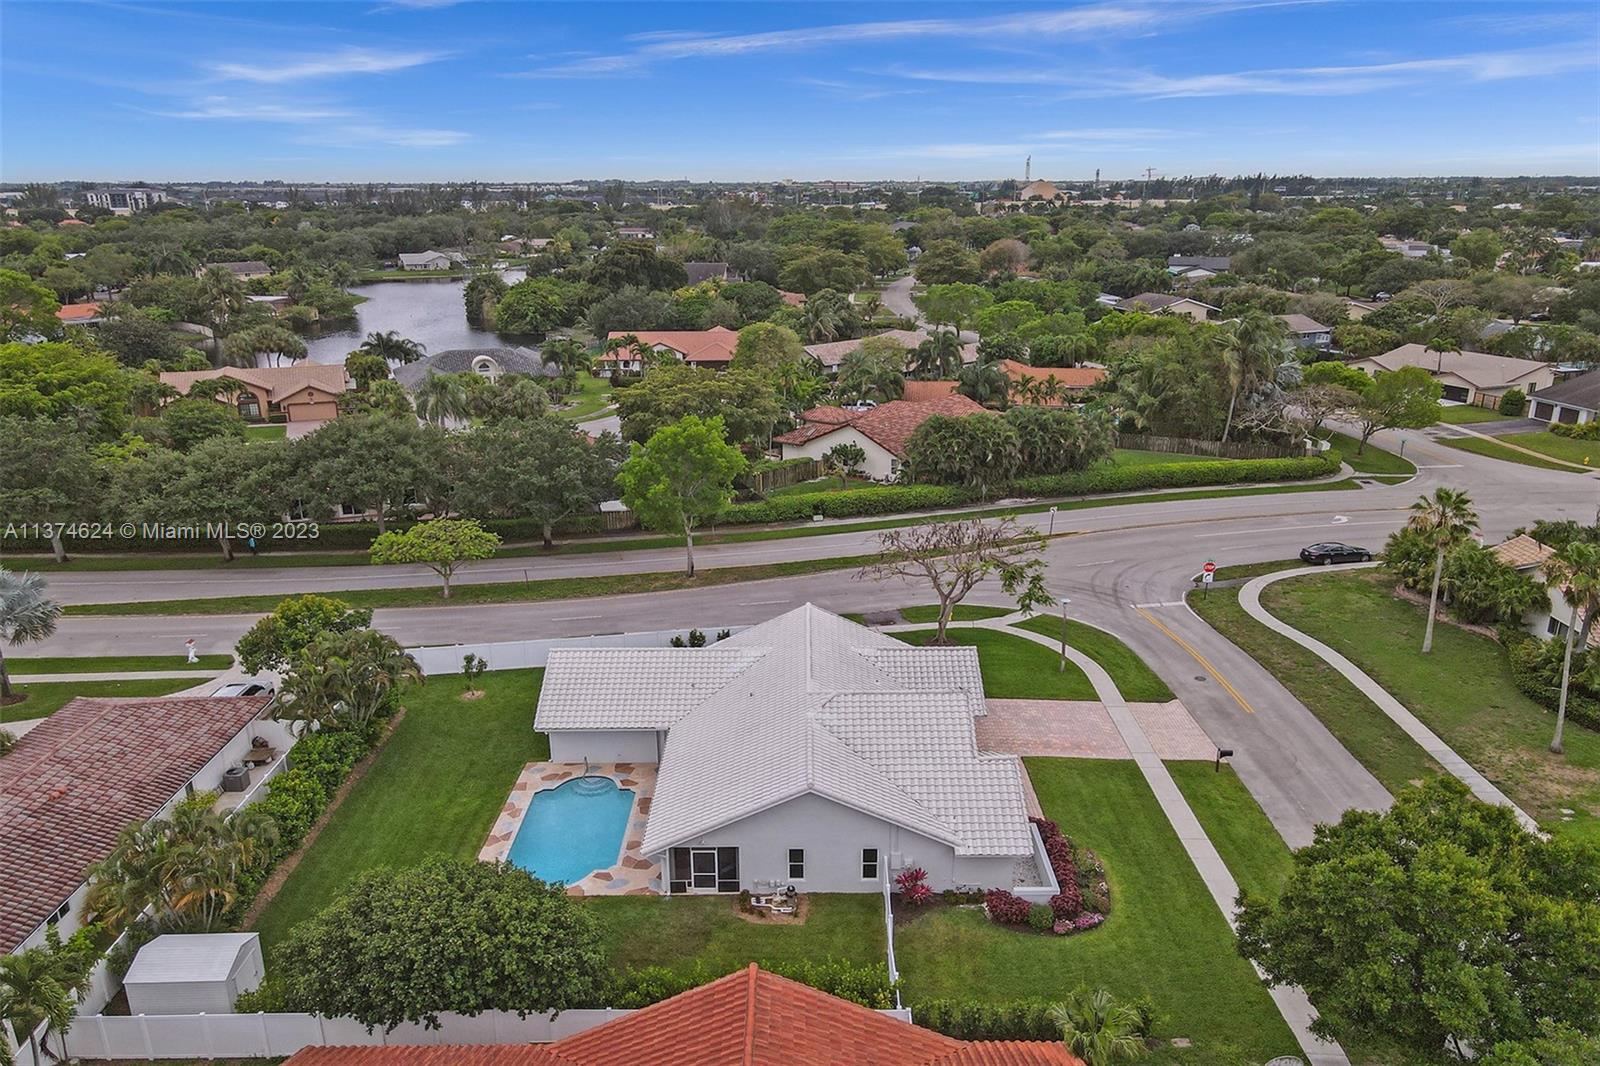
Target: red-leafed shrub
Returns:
[[1046, 827], [1005, 908], [1068, 903], [913, 886]]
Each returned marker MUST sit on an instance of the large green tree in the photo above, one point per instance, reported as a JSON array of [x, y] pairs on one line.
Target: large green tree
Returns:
[[47, 475], [276, 640], [979, 451], [64, 381], [27, 309], [1407, 398], [746, 402], [764, 346], [372, 461], [446, 935], [1439, 924], [208, 492], [680, 477], [441, 545], [542, 468]]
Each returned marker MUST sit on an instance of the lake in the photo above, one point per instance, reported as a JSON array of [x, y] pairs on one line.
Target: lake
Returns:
[[430, 312]]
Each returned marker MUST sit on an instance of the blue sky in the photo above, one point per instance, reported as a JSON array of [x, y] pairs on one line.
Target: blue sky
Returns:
[[413, 90]]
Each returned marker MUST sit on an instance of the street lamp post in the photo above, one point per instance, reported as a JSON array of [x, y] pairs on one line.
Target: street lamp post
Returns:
[[1052, 520], [1064, 602]]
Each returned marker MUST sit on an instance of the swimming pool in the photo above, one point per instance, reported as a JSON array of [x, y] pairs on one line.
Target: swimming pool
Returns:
[[572, 830]]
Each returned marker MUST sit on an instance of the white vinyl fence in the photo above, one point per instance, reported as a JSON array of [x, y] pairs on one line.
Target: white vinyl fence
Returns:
[[522, 654]]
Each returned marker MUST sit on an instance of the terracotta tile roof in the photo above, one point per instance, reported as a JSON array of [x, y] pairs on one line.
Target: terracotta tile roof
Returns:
[[279, 381], [923, 391], [831, 415], [889, 425], [748, 1018], [1522, 551], [78, 312], [91, 768], [72, 222], [714, 345], [832, 353], [1071, 377], [793, 299]]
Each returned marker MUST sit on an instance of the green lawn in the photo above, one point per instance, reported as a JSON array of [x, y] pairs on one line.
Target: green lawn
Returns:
[[1249, 570], [1015, 668], [590, 397], [1134, 679], [1479, 446], [106, 664], [1249, 845], [704, 931], [1462, 690], [1165, 936], [1139, 457], [47, 698], [1372, 459], [1380, 745], [963, 612], [821, 484], [434, 790], [1463, 414], [1583, 452], [268, 432]]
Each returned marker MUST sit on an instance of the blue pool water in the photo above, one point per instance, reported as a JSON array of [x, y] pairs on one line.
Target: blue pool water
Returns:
[[572, 830]]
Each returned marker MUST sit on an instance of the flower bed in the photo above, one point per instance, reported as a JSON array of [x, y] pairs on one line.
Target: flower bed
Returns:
[[1082, 902]]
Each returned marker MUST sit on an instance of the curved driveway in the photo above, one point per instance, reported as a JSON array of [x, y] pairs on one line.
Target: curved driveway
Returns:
[[1126, 570]]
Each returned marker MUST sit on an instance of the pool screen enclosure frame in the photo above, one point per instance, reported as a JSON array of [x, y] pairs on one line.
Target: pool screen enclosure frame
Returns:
[[704, 870]]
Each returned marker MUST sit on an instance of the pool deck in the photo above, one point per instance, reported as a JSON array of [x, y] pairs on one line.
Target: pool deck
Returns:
[[632, 874]]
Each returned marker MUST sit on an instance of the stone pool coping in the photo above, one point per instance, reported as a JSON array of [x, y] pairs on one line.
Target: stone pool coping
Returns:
[[632, 874]]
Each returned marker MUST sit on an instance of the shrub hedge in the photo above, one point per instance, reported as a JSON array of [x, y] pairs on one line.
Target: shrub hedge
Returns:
[[1536, 672], [1177, 475], [868, 985], [966, 1019], [1587, 431]]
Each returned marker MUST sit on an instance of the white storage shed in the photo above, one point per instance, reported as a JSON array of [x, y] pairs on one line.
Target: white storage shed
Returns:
[[193, 973]]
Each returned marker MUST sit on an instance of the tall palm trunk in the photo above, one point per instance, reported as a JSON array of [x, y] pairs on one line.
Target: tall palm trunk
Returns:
[[1566, 679], [1227, 426], [688, 548], [1433, 600], [5, 678], [56, 546]]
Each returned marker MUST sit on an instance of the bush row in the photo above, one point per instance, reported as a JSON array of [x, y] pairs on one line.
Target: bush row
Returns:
[[1587, 431], [1066, 904], [1539, 679], [855, 503], [868, 985], [1177, 475], [966, 1019]]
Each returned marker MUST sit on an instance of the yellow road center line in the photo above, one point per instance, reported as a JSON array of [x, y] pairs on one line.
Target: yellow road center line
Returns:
[[1205, 663]]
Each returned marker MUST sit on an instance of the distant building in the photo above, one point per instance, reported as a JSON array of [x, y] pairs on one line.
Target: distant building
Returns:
[[1214, 264], [1069, 382], [699, 272], [248, 270], [1467, 377], [308, 392], [125, 201], [1040, 190], [431, 260], [711, 348], [1307, 332], [84, 314], [491, 363], [1164, 303], [881, 432], [1573, 402], [636, 233], [1413, 249]]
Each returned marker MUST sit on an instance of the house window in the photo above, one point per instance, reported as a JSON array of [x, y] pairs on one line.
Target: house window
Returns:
[[869, 864], [249, 407], [797, 864], [1556, 629]]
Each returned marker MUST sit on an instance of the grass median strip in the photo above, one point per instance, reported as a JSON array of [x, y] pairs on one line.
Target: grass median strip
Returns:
[[1135, 680], [1371, 459], [115, 664]]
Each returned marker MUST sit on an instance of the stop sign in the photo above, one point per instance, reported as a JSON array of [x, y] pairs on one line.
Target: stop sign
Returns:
[[1210, 567]]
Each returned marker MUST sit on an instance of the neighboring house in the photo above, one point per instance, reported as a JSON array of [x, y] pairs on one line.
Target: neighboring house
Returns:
[[1040, 190], [1413, 249], [793, 299], [490, 362], [699, 272], [91, 769], [923, 391], [524, 245], [277, 303], [1467, 377], [1574, 401], [1074, 381], [748, 1018], [249, 270], [831, 353], [1307, 332], [84, 314], [81, 222], [1162, 303], [125, 201], [307, 392], [880, 431], [636, 233], [712, 348], [1359, 309], [431, 260], [1211, 264], [1547, 620], [806, 750]]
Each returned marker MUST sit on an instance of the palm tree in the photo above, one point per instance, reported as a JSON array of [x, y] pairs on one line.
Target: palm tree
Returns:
[[1098, 1029], [1252, 349], [938, 357], [393, 347], [1440, 345], [35, 991], [870, 303], [26, 615], [222, 293], [441, 397], [984, 382], [1575, 568], [346, 680], [1445, 519], [821, 321]]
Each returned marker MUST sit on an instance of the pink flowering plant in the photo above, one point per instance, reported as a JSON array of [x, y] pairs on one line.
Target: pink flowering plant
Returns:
[[913, 886]]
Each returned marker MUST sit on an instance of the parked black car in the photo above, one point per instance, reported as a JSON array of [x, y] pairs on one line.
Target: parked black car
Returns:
[[1334, 552]]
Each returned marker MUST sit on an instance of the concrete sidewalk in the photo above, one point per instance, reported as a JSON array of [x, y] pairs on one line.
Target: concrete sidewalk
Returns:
[[1427, 739], [131, 675], [1291, 1001]]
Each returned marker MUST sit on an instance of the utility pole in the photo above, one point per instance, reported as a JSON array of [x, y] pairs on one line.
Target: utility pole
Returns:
[[1149, 172], [1027, 171], [1096, 179]]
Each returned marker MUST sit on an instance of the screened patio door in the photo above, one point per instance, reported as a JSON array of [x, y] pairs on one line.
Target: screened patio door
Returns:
[[703, 869]]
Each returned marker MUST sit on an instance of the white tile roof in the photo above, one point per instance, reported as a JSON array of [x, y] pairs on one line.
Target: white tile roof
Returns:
[[804, 703]]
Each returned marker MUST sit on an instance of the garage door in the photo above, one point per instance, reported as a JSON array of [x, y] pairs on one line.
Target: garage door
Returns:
[[1544, 412], [1569, 415], [1458, 393]]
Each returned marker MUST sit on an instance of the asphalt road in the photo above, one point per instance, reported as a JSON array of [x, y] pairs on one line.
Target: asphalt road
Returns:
[[1125, 569]]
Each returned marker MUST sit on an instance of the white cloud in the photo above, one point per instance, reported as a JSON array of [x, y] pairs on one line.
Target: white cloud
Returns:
[[222, 107], [1123, 133], [368, 135], [328, 64]]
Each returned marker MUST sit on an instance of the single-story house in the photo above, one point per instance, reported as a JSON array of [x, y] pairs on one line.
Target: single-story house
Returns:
[[1306, 332], [1359, 309], [831, 353], [1467, 377], [490, 362], [749, 1018], [431, 260], [523, 245], [1413, 249], [881, 431], [1166, 303], [84, 314], [277, 303], [1574, 401], [249, 270], [1549, 619], [793, 299], [922, 391], [1071, 382], [636, 233], [306, 392], [1212, 264], [711, 348], [193, 973], [699, 272], [80, 776], [806, 750]]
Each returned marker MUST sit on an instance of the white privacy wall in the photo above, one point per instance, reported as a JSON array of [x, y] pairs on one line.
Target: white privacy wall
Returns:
[[522, 654]]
